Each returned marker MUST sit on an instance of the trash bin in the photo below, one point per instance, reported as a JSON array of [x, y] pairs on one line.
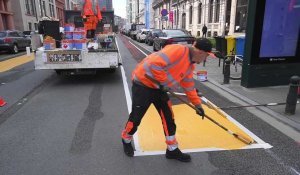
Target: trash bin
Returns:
[[240, 45], [230, 45], [221, 45]]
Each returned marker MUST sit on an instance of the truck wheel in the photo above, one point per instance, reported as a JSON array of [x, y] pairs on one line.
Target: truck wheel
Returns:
[[113, 70], [58, 72]]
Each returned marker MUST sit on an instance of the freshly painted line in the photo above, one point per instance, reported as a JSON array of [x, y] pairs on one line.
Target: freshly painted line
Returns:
[[129, 104], [257, 139]]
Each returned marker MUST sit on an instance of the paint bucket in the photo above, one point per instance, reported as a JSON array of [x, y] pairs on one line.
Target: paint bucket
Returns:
[[202, 75], [69, 27], [68, 35], [79, 29], [67, 44], [49, 45], [78, 35], [79, 44]]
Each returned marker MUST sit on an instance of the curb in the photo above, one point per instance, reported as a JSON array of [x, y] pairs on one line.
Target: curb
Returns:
[[7, 57]]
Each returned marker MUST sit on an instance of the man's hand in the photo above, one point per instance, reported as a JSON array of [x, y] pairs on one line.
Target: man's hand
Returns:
[[200, 111]]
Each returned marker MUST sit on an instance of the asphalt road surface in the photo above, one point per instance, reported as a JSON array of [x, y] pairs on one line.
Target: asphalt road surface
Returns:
[[71, 125]]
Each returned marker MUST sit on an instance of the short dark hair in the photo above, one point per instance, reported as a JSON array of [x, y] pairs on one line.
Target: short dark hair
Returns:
[[203, 44]]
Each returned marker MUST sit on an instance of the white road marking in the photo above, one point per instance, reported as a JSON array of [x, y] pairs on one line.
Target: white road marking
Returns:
[[129, 103], [138, 48]]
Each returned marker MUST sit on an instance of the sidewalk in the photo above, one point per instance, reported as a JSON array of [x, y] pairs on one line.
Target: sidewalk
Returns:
[[250, 96]]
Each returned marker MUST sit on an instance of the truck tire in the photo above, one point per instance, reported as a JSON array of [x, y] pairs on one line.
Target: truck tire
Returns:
[[58, 72], [112, 70]]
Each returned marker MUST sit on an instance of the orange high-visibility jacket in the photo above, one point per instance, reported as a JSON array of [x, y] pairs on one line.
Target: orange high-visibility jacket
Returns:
[[91, 8], [172, 67]]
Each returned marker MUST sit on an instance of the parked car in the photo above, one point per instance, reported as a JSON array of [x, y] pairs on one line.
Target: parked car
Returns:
[[13, 41], [149, 38], [172, 36], [140, 37]]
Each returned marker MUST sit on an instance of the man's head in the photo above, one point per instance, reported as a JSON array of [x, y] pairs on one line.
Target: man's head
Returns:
[[201, 50]]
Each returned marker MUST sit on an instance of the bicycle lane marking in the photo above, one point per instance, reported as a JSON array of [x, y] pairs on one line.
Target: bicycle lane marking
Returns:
[[140, 152]]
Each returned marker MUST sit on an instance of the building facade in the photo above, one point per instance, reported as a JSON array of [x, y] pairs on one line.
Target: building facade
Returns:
[[28, 13], [60, 6], [106, 5], [6, 15], [140, 12], [220, 16]]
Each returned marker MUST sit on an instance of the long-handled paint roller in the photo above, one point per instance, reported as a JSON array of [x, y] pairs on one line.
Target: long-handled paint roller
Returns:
[[239, 137]]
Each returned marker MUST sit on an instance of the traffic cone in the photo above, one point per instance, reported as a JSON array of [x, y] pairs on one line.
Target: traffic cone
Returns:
[[2, 102]]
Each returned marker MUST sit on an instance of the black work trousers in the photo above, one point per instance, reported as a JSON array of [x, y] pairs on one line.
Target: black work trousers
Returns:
[[142, 97]]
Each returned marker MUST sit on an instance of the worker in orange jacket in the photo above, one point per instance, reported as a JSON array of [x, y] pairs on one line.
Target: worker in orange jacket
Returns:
[[173, 67]]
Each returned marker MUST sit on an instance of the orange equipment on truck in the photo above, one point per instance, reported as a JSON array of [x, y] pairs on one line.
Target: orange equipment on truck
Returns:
[[91, 14]]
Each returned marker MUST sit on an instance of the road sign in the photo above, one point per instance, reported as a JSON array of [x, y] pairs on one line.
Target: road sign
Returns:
[[171, 16], [164, 18], [164, 12]]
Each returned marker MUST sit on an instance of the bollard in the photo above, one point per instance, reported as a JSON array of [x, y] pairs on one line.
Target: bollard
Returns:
[[28, 51], [291, 99], [227, 71]]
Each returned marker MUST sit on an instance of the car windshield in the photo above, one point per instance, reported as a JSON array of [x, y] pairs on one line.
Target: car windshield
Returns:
[[173, 33], [2, 34]]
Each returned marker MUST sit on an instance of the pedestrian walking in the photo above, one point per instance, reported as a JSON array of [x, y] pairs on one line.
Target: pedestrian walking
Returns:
[[173, 67], [204, 31]]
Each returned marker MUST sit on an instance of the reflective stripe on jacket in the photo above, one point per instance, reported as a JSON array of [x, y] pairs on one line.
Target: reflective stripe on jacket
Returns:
[[172, 67]]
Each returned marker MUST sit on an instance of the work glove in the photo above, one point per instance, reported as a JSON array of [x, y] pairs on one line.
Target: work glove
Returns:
[[199, 93], [200, 111]]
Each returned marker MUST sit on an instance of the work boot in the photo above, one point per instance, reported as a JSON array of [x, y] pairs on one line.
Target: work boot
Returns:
[[128, 149], [178, 155]]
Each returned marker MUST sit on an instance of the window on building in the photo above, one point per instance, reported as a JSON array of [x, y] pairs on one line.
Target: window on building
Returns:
[[44, 8], [29, 7], [35, 26], [33, 9], [210, 10], [199, 13], [191, 14], [41, 7], [183, 21], [217, 11], [241, 15], [29, 26], [51, 8]]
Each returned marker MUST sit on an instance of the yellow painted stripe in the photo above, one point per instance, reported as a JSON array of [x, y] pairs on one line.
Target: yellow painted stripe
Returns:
[[192, 131], [14, 62]]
